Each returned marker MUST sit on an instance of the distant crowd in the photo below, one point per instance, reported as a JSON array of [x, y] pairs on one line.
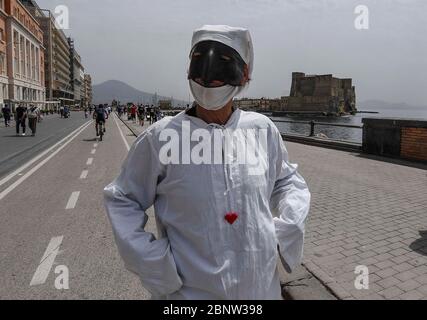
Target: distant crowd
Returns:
[[24, 115], [140, 113]]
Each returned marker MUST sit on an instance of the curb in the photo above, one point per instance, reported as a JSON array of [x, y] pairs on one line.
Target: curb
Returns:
[[329, 283], [301, 284], [136, 134]]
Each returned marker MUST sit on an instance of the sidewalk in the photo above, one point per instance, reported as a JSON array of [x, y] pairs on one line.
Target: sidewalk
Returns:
[[365, 212]]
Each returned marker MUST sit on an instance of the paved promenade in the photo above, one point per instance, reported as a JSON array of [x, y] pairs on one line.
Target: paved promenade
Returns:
[[365, 211]]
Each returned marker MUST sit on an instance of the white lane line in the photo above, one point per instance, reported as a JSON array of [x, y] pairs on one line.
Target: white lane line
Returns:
[[29, 163], [95, 145], [93, 151], [121, 133], [39, 165], [46, 263], [84, 174], [71, 204], [89, 162]]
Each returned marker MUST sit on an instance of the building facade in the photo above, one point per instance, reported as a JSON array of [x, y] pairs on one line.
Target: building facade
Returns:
[[57, 64], [77, 74], [262, 104], [4, 79], [25, 56], [87, 91]]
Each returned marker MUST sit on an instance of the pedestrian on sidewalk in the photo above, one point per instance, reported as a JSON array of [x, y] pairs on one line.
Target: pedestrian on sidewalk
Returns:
[[6, 114], [33, 115], [141, 115], [20, 118], [152, 113], [133, 111], [222, 225]]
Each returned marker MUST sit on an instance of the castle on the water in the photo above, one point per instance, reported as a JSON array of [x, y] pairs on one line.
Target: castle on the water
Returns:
[[310, 94]]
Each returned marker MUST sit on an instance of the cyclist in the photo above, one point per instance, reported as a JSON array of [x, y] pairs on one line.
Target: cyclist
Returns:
[[120, 111], [100, 115]]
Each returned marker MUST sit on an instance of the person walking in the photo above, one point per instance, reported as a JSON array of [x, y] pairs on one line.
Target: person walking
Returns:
[[20, 118], [141, 115], [133, 111], [6, 114], [33, 115], [223, 222], [152, 114]]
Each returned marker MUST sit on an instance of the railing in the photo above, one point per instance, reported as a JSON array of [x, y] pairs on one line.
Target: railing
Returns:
[[314, 123]]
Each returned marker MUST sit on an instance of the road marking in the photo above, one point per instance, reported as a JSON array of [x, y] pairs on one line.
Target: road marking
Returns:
[[29, 163], [121, 133], [71, 204], [95, 145], [39, 165], [84, 174], [46, 263], [89, 162], [93, 151]]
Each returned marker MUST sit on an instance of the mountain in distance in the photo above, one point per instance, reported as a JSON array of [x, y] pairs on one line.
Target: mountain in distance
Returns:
[[111, 90]]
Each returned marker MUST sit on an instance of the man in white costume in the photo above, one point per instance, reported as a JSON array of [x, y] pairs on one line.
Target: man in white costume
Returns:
[[223, 225]]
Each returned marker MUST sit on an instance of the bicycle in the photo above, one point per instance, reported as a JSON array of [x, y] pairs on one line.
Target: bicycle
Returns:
[[101, 130]]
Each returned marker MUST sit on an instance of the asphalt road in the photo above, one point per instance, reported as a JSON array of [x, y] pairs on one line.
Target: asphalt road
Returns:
[[52, 216], [15, 151]]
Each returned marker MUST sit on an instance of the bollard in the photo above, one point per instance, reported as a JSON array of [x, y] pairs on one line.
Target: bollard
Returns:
[[312, 128]]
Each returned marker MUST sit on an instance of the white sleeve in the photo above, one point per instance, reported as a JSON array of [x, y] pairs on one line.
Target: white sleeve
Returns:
[[126, 200], [290, 204]]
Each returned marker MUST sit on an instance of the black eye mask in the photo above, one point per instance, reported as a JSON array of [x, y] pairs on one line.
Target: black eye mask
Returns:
[[215, 61]]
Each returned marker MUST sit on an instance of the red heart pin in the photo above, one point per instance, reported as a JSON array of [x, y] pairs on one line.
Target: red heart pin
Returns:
[[231, 217]]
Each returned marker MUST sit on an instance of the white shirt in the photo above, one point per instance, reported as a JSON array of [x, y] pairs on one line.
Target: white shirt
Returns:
[[199, 255]]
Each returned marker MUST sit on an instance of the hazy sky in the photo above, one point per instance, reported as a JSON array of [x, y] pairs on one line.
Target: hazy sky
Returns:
[[146, 42]]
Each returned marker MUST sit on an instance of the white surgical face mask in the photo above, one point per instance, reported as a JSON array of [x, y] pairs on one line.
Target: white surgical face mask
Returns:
[[213, 98]]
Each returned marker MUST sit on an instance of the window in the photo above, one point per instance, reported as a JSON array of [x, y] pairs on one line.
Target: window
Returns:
[[33, 62], [22, 55], [37, 64], [16, 52], [5, 92], [2, 64], [28, 58]]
